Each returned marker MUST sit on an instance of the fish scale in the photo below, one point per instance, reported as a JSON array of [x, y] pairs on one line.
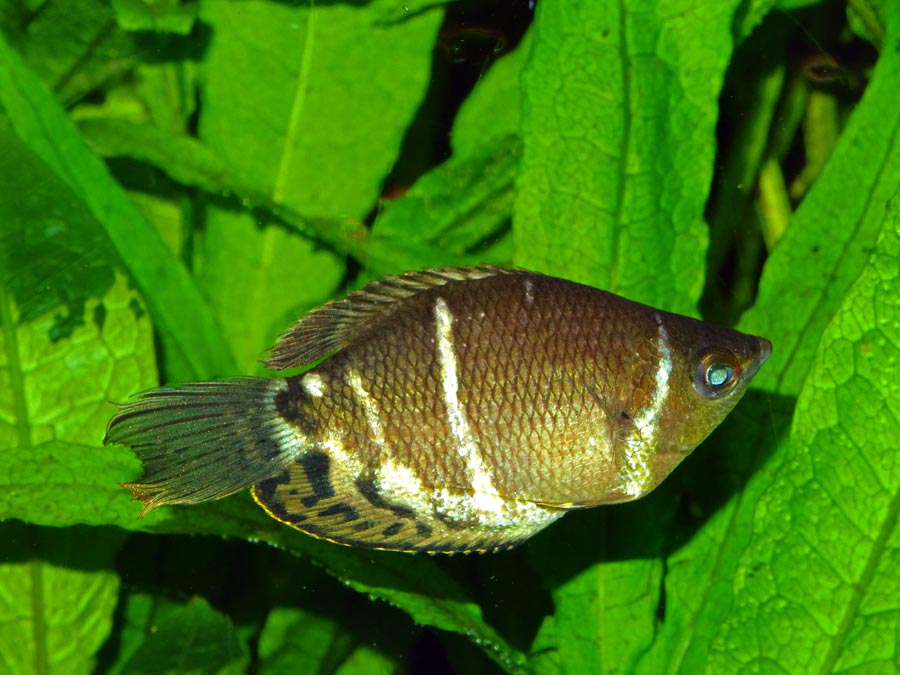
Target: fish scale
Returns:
[[459, 409]]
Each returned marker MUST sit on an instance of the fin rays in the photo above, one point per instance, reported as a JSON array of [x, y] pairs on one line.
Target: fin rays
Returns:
[[203, 441], [334, 325]]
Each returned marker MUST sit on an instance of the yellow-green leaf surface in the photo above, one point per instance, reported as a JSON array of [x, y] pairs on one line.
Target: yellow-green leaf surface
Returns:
[[57, 598], [818, 588], [803, 287], [312, 100], [260, 279], [620, 105], [492, 113], [172, 296], [73, 336]]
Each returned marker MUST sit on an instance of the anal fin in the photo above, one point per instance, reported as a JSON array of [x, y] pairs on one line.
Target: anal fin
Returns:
[[319, 497]]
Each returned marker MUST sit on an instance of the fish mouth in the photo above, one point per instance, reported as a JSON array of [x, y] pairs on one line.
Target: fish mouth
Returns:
[[765, 350]]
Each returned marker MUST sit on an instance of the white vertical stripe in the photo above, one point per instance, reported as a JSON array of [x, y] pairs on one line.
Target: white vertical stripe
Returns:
[[640, 445], [369, 406], [485, 497]]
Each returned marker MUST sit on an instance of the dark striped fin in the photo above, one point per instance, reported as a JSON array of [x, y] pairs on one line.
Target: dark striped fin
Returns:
[[205, 440], [334, 325]]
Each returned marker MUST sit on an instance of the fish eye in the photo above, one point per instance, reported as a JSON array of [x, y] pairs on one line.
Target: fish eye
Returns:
[[717, 374]]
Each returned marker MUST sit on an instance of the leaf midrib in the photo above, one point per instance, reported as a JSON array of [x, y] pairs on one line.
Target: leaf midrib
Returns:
[[298, 105], [23, 432], [625, 149], [861, 587]]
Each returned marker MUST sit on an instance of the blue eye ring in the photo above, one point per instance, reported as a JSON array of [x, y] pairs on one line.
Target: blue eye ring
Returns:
[[717, 373]]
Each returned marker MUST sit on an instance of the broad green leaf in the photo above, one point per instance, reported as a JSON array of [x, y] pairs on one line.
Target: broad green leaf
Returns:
[[259, 279], [192, 163], [257, 276], [456, 206], [54, 255], [57, 598], [620, 104], [332, 90], [603, 570], [72, 337], [188, 329], [304, 146], [325, 648], [59, 389], [817, 590], [491, 115], [61, 368], [803, 286], [163, 637], [73, 46]]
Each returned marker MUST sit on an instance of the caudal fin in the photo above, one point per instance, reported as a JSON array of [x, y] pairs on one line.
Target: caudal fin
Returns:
[[205, 440]]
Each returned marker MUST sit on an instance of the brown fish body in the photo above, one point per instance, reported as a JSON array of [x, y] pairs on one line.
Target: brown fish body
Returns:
[[464, 409]]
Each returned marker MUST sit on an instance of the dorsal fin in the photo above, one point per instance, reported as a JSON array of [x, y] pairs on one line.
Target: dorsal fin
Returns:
[[335, 324]]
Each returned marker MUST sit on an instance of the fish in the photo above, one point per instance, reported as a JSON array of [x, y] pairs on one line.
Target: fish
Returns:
[[451, 410]]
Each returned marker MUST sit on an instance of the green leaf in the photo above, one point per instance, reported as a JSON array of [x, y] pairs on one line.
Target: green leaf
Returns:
[[54, 254], [280, 651], [73, 47], [329, 103], [59, 390], [57, 599], [179, 312], [866, 17], [830, 234], [491, 114], [804, 285], [162, 637], [72, 336], [818, 588], [620, 104], [245, 270], [455, 207], [326, 647]]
